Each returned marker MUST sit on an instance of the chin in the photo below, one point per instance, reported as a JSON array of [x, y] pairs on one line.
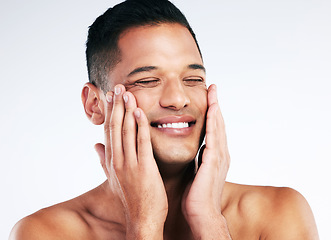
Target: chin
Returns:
[[175, 155]]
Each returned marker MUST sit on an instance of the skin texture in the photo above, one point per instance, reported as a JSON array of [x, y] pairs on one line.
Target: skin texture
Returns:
[[152, 189]]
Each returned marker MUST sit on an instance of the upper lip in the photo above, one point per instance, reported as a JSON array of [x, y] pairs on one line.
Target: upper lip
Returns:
[[173, 119]]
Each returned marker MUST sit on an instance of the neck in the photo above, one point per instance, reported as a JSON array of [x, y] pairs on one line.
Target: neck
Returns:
[[176, 178]]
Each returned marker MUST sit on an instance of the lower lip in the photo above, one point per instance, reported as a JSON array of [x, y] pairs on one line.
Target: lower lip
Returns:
[[176, 132]]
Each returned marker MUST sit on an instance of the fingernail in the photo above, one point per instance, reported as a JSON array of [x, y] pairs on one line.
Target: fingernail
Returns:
[[117, 90], [109, 98], [137, 113], [125, 98]]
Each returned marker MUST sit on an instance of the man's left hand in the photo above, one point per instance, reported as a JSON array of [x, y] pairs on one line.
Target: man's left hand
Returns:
[[201, 204]]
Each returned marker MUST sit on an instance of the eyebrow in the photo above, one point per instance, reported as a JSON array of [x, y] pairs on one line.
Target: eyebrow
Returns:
[[142, 69], [194, 66]]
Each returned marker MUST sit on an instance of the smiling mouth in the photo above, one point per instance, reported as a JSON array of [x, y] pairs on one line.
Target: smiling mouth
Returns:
[[177, 125]]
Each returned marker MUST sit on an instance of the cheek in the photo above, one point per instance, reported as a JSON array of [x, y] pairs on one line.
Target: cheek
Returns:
[[199, 98], [145, 100]]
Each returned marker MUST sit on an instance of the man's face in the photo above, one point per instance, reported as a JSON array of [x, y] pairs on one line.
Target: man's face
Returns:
[[162, 67]]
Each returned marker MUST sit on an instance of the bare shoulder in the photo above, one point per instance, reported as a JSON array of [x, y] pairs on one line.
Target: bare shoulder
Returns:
[[57, 222], [92, 215], [274, 212]]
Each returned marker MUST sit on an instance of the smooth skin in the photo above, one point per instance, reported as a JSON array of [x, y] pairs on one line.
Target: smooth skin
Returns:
[[134, 176], [152, 190], [129, 164]]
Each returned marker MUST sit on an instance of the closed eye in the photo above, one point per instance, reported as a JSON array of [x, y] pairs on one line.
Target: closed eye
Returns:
[[147, 82], [194, 81]]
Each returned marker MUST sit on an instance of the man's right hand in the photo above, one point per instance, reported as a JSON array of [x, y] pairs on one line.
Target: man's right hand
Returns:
[[128, 162]]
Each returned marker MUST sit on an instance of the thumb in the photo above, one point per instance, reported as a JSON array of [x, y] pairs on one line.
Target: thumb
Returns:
[[100, 149], [184, 197]]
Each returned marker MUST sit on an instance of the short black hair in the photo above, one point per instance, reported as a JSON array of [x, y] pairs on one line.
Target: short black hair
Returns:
[[102, 52]]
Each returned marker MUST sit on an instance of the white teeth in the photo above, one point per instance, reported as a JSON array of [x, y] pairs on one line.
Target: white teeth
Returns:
[[174, 125]]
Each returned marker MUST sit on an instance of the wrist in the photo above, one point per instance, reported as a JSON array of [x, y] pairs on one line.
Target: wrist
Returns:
[[144, 230], [210, 227]]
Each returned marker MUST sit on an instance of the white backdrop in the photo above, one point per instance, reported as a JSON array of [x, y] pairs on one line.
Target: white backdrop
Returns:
[[270, 59]]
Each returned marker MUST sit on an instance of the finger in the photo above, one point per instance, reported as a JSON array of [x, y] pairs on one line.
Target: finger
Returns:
[[212, 95], [116, 122], [129, 133], [214, 109], [220, 126], [100, 149], [109, 107], [201, 154], [211, 117], [144, 145], [212, 139], [211, 127], [217, 140], [212, 99]]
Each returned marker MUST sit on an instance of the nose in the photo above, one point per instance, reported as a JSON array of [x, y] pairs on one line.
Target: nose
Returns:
[[174, 96]]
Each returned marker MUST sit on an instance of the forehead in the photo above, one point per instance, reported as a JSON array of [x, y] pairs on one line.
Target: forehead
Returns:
[[167, 46]]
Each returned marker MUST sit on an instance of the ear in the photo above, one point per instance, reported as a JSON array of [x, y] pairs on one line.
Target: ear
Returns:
[[93, 104]]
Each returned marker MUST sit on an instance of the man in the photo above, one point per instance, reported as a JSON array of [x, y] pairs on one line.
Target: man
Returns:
[[148, 87]]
